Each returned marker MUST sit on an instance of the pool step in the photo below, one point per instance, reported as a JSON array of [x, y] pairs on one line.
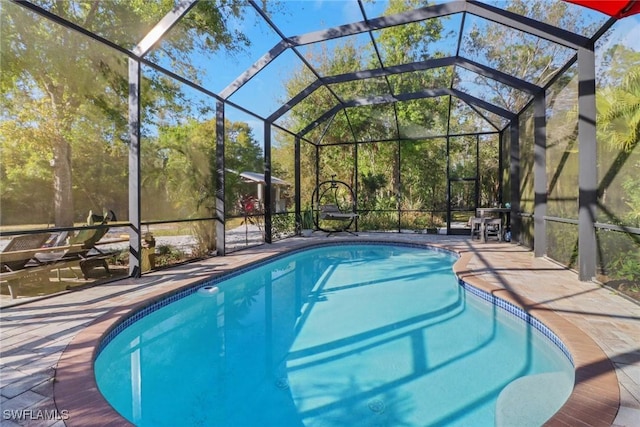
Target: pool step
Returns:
[[517, 406]]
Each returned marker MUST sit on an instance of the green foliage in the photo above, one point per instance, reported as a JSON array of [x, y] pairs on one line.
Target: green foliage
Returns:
[[167, 255], [378, 221], [618, 127], [179, 167], [205, 232], [618, 60], [242, 154], [371, 182], [379, 161], [179, 173], [412, 42], [306, 219], [283, 225], [516, 53], [619, 112], [178, 170], [65, 98], [424, 174], [626, 266], [562, 243], [632, 188]]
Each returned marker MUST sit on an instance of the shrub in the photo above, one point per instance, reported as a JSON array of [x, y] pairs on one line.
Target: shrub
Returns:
[[626, 266], [167, 255], [306, 220], [283, 225]]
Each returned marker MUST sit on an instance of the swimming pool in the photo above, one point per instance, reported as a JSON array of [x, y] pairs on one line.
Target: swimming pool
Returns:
[[343, 335]]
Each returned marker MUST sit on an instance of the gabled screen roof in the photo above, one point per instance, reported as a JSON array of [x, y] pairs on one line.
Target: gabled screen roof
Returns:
[[357, 61]]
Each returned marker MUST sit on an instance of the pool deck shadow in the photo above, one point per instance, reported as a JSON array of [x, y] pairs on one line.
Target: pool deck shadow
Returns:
[[47, 346]]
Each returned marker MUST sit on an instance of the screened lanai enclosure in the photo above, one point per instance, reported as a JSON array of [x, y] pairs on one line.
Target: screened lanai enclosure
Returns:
[[171, 130]]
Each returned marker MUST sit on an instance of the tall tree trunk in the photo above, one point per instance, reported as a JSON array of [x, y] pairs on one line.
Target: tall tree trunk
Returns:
[[62, 184], [62, 174]]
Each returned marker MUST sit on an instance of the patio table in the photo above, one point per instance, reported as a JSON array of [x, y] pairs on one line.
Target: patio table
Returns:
[[503, 213]]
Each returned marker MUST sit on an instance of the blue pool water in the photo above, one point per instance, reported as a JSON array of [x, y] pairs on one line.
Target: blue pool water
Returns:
[[343, 335]]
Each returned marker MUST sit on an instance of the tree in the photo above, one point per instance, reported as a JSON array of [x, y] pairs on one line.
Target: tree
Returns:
[[179, 170], [619, 112], [400, 44], [63, 88], [242, 154], [619, 125], [521, 55]]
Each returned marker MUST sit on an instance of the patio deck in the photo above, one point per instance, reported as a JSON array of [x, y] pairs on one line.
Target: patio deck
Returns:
[[60, 332]]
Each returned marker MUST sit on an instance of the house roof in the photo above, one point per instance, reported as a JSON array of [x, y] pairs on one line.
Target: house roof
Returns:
[[259, 178]]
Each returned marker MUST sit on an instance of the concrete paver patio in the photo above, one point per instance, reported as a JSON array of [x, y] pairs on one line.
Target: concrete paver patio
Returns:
[[35, 335]]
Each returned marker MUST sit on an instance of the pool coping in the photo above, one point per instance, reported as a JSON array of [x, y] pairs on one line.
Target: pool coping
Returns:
[[595, 398], [594, 401]]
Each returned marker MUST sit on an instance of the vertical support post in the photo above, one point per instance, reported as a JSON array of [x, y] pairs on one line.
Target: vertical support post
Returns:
[[267, 179], [315, 202], [297, 196], [398, 187], [355, 181], [500, 167], [540, 176], [514, 178], [135, 234], [220, 192], [587, 155], [477, 180], [448, 156]]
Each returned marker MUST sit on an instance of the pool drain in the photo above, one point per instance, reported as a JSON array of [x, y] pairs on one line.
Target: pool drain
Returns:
[[376, 405], [282, 383]]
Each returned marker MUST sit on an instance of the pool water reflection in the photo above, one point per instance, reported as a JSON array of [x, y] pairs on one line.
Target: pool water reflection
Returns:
[[356, 335]]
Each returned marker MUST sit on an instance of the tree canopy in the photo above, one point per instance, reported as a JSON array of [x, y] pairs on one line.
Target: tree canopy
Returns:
[[66, 96]]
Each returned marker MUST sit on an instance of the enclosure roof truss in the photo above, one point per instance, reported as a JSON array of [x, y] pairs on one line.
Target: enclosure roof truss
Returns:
[[458, 60], [490, 13]]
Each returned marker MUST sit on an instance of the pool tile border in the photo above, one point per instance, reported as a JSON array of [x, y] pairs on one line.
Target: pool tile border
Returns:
[[519, 314], [594, 401]]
